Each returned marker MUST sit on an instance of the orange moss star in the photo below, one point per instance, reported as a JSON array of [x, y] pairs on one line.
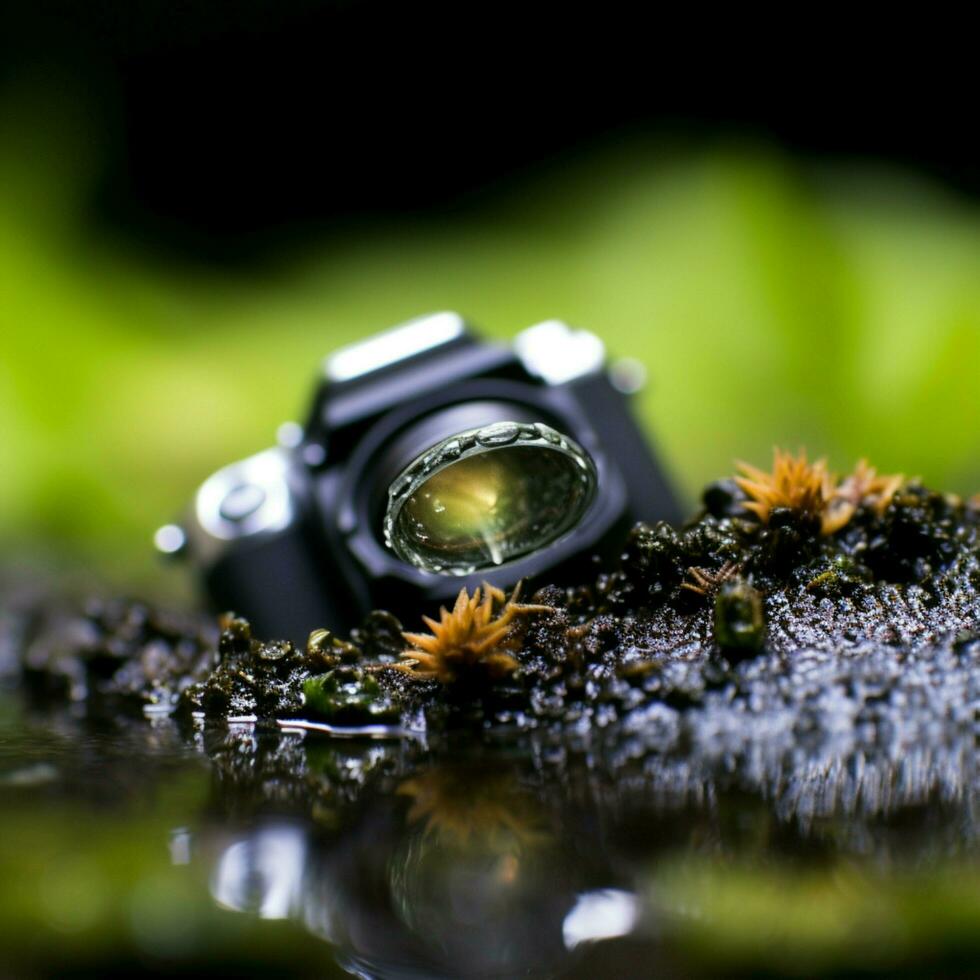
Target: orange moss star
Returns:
[[794, 482], [865, 486], [469, 637], [811, 489]]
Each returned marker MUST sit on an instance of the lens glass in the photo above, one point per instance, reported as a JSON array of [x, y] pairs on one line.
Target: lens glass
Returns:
[[493, 504]]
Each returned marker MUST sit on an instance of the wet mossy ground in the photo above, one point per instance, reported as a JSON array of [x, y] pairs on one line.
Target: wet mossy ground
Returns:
[[759, 736], [769, 618]]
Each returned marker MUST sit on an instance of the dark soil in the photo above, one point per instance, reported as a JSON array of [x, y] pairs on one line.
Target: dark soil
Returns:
[[728, 626]]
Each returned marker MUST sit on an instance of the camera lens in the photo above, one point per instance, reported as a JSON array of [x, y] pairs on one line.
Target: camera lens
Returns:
[[487, 496]]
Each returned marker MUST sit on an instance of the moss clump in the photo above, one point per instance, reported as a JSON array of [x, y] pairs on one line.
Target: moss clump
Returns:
[[262, 680], [349, 696], [116, 649]]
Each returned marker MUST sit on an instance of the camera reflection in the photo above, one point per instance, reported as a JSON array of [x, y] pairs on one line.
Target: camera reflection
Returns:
[[501, 863], [457, 865]]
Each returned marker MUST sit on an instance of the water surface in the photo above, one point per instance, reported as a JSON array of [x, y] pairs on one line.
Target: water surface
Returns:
[[130, 843]]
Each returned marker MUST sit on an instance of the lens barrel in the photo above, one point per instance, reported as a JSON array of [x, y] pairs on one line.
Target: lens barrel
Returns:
[[486, 496]]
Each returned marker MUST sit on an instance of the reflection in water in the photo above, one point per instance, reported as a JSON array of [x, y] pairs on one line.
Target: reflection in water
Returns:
[[263, 873], [602, 914], [451, 870], [464, 806], [505, 856], [513, 858]]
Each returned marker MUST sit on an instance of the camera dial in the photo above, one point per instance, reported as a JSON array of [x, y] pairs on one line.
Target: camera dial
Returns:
[[486, 496]]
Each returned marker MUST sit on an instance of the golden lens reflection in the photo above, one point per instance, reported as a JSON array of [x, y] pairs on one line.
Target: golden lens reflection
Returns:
[[489, 508], [461, 498]]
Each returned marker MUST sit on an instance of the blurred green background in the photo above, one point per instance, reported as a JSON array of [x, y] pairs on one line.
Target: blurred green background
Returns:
[[198, 202], [774, 299]]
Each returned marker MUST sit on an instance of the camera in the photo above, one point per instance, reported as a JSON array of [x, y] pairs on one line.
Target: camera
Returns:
[[431, 459]]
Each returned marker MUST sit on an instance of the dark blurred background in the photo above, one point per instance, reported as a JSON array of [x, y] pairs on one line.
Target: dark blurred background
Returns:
[[224, 126], [199, 200]]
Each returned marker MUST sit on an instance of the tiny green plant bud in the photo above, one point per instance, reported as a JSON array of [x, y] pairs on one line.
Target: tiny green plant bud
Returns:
[[739, 621]]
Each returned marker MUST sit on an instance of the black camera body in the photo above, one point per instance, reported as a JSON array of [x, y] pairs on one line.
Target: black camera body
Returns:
[[293, 538]]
